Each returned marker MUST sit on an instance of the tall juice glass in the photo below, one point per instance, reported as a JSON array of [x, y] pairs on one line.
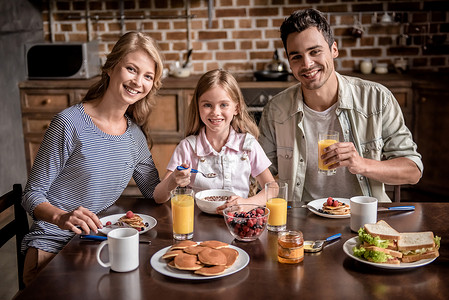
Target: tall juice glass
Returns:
[[276, 195], [325, 139], [182, 207]]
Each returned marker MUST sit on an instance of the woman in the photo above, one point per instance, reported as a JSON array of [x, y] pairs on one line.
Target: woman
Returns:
[[91, 150]]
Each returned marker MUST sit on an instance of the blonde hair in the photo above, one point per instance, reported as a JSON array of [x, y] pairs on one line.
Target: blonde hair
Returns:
[[132, 41], [241, 123]]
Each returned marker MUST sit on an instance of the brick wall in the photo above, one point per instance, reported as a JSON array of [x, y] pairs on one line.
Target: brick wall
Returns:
[[244, 33]]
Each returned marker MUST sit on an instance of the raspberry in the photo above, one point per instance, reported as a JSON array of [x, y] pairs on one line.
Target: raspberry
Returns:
[[330, 201], [335, 203], [129, 214], [108, 223]]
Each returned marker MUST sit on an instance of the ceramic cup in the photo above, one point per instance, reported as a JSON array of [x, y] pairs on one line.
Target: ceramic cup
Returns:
[[123, 248], [363, 211]]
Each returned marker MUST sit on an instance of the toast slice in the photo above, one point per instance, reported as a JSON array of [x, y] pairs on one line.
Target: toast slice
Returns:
[[416, 240], [416, 257], [383, 230]]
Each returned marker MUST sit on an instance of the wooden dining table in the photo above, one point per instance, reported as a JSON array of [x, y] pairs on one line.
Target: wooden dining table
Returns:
[[330, 274]]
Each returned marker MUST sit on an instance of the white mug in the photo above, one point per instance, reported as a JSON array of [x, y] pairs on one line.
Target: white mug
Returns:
[[363, 211], [123, 248]]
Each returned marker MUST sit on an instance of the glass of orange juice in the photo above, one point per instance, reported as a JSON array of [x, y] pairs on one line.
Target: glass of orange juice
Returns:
[[325, 139], [276, 195], [182, 207]]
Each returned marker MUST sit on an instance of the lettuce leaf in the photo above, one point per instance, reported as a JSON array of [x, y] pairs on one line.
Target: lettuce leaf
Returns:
[[375, 241], [437, 241], [371, 255]]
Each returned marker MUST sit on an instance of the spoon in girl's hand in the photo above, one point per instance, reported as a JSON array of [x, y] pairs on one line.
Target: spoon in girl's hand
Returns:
[[209, 175]]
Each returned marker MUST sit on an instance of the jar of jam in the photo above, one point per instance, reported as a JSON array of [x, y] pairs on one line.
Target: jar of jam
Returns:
[[290, 247]]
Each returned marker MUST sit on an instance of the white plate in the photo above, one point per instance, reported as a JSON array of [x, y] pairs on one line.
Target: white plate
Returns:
[[114, 218], [354, 242], [318, 204], [160, 265]]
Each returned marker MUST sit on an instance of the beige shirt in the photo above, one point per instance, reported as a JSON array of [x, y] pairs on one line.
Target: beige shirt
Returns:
[[369, 116]]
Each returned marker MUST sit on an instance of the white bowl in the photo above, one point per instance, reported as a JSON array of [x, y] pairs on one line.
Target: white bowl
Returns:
[[208, 206]]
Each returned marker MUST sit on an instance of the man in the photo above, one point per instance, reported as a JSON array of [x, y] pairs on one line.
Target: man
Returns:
[[375, 145]]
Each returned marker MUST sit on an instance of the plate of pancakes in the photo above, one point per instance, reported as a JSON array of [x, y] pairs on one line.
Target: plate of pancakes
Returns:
[[342, 210], [140, 222], [199, 260]]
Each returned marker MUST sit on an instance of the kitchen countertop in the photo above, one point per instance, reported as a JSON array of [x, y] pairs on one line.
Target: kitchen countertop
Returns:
[[428, 80]]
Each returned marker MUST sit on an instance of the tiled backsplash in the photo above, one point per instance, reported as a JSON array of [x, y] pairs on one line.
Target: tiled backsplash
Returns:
[[241, 35]]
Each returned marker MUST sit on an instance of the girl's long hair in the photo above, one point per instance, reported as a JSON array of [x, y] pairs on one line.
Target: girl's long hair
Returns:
[[132, 41], [242, 122]]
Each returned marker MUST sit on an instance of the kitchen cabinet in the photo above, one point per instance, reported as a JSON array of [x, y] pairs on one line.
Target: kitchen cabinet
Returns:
[[432, 136], [42, 99]]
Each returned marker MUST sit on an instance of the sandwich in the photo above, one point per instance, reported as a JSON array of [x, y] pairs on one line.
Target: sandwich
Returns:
[[415, 246], [380, 235], [378, 243]]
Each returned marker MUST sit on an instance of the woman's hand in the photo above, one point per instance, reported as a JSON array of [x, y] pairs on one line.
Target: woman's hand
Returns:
[[79, 220]]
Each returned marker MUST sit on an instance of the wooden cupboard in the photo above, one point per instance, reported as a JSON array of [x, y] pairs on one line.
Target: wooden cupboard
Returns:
[[432, 136]]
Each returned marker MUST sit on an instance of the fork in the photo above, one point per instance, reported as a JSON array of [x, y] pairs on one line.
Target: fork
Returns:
[[209, 175]]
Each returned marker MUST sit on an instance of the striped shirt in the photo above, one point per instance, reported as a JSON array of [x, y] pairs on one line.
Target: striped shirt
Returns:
[[79, 165]]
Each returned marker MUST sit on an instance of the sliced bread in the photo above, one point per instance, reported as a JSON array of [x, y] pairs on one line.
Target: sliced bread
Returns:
[[383, 230], [416, 240]]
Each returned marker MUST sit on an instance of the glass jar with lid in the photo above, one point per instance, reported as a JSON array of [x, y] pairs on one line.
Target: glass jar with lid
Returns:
[[290, 247]]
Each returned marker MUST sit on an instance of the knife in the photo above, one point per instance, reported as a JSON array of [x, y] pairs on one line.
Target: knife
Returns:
[[103, 238], [406, 207]]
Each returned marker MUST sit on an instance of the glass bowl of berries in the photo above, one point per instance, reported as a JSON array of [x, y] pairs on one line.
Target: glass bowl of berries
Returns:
[[246, 222]]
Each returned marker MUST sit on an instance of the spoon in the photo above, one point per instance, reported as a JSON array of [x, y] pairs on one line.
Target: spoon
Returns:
[[209, 175], [318, 245]]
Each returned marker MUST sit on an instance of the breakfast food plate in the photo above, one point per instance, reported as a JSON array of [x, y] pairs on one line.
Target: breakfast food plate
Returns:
[[160, 265], [114, 218], [354, 242], [316, 205]]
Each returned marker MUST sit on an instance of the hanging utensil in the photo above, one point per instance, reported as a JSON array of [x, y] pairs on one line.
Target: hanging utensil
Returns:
[[186, 63]]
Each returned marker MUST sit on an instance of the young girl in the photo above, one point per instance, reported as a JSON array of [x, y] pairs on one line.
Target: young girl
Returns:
[[221, 139]]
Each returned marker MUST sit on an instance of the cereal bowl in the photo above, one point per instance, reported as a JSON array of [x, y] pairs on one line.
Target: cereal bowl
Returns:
[[246, 222], [209, 200]]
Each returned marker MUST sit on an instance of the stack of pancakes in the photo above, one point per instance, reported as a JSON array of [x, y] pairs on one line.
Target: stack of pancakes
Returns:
[[340, 209], [208, 258], [135, 221]]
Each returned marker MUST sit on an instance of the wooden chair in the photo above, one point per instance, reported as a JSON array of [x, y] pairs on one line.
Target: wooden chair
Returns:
[[397, 193], [17, 227]]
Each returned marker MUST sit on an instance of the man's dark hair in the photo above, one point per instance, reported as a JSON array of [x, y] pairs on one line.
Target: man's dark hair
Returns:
[[301, 20]]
